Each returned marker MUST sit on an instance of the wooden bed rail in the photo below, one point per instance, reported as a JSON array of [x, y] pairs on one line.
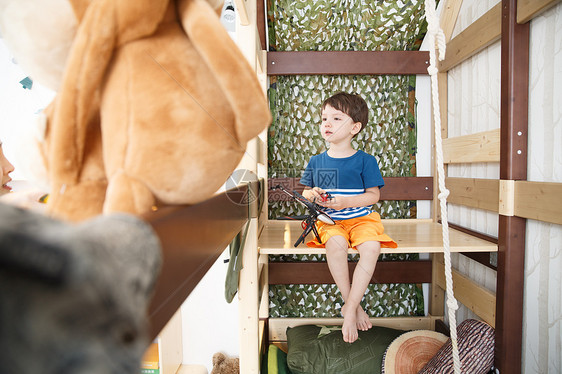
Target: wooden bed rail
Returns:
[[527, 199], [529, 9], [347, 62], [192, 238], [277, 327], [479, 147], [480, 34], [478, 299], [396, 188], [412, 236], [486, 30]]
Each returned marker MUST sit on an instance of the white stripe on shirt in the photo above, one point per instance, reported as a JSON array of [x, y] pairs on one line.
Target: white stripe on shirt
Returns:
[[347, 213]]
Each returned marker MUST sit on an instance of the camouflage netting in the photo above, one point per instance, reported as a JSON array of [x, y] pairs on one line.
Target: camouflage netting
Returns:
[[343, 25]]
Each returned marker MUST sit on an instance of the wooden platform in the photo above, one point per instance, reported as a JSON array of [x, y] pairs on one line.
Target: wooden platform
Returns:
[[278, 326], [412, 236]]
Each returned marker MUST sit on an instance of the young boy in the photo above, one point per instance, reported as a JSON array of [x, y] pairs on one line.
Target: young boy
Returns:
[[352, 179]]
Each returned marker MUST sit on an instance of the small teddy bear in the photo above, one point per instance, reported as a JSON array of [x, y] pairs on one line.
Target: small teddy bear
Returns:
[[222, 364]]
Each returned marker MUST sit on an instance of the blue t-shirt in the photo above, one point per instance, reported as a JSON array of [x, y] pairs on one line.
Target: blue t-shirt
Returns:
[[344, 177]]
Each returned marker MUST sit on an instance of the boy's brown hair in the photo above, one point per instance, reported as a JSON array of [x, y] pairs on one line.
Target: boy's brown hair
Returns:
[[352, 105]]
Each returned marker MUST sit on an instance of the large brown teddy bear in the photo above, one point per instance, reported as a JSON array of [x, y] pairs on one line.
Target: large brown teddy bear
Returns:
[[156, 106]]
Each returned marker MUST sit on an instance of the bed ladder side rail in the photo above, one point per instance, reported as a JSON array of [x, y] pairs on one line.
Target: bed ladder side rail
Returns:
[[249, 291], [396, 188], [248, 303], [192, 238]]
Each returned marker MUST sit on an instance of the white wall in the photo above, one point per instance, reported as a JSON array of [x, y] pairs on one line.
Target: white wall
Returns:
[[210, 324], [19, 117], [542, 330]]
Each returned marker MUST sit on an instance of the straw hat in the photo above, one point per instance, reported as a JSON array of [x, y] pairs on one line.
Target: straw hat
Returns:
[[409, 352]]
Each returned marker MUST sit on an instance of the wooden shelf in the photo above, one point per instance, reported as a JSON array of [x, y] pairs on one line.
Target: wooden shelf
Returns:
[[412, 236]]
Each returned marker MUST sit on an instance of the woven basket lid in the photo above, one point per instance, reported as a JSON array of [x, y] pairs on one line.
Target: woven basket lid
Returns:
[[409, 352]]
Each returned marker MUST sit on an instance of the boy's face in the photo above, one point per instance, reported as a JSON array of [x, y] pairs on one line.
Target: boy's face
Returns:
[[5, 168], [337, 126]]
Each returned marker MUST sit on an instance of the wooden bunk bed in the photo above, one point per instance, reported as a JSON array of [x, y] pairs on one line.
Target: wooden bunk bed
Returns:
[[509, 196], [513, 197], [214, 223]]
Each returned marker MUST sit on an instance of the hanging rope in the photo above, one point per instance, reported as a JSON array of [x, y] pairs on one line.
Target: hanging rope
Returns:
[[436, 39]]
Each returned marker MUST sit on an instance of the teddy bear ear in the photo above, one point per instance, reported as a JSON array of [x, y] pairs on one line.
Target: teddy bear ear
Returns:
[[217, 5], [218, 358], [79, 7], [237, 79]]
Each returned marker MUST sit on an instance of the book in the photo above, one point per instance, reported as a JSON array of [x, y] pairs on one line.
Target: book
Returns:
[[150, 363]]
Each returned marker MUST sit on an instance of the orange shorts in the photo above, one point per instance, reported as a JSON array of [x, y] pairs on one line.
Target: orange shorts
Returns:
[[355, 230]]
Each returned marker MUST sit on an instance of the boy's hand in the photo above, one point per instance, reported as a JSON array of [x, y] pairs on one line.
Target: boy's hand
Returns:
[[335, 202], [314, 194], [324, 199]]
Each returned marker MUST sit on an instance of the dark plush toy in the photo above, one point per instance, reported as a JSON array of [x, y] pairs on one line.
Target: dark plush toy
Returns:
[[74, 297]]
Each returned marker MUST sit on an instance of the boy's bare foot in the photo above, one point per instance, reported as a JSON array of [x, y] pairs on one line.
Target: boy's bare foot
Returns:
[[349, 328], [363, 321]]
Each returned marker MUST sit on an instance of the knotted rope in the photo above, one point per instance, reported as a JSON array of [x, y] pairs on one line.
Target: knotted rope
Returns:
[[436, 39]]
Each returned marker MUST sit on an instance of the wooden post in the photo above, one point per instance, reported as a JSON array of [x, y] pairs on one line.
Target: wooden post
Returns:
[[248, 303], [436, 302], [513, 166], [443, 107]]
